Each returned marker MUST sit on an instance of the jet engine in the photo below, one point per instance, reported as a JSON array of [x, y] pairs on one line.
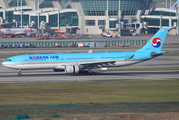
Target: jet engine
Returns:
[[28, 34], [72, 69]]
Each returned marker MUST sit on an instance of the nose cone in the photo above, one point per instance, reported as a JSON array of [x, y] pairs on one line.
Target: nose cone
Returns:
[[3, 63]]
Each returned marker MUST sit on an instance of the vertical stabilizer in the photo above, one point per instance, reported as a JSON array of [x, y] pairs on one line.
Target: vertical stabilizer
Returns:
[[175, 6], [156, 42]]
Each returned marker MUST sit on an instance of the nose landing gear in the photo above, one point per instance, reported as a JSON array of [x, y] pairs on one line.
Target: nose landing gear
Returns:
[[19, 72]]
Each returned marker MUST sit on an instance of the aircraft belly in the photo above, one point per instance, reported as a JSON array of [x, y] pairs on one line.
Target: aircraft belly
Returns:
[[32, 66]]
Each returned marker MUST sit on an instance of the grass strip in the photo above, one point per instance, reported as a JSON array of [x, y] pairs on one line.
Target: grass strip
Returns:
[[89, 92]]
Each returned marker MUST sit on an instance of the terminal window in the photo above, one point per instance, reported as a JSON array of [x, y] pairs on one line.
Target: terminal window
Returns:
[[101, 22], [90, 22]]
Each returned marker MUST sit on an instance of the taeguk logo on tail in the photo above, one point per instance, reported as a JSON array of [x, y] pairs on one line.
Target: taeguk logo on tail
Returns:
[[176, 7], [156, 42]]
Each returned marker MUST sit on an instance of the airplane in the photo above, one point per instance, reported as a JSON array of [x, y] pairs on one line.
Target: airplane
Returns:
[[18, 31], [175, 6], [77, 63]]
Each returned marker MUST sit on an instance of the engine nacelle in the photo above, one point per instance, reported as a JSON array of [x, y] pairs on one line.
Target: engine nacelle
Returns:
[[28, 34], [72, 69]]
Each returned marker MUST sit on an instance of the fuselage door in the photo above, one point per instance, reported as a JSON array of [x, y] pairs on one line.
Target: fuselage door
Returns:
[[7, 31], [19, 60], [98, 57], [50, 59], [137, 56]]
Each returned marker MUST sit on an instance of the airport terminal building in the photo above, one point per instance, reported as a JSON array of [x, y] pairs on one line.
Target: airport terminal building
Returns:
[[93, 16]]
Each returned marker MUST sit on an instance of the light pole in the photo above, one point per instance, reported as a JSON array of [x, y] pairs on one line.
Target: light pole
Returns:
[[107, 19], [38, 13], [119, 17], [58, 20], [21, 13], [177, 18], [18, 5]]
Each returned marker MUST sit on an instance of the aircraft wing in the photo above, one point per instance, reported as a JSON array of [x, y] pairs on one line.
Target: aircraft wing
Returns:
[[100, 63]]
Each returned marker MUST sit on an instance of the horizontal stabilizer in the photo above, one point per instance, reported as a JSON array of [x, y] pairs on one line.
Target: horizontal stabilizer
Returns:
[[154, 54]]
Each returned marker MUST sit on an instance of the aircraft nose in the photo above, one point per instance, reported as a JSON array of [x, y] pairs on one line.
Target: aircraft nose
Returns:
[[3, 63]]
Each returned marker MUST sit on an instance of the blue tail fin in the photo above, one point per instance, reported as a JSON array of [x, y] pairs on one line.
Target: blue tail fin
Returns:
[[175, 6], [156, 42]]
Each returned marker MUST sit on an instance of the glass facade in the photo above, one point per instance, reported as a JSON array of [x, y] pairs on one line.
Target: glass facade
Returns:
[[9, 25], [156, 21], [69, 17], [151, 21], [90, 22], [9, 15], [101, 22], [53, 20], [42, 18], [45, 4], [13, 3], [1, 14], [98, 7], [112, 24], [26, 9], [112, 13], [163, 13], [35, 19], [25, 19], [165, 22], [125, 21], [128, 13], [173, 21]]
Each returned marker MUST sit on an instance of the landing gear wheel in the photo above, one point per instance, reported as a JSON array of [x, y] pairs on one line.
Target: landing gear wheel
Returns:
[[87, 72], [93, 73], [19, 74]]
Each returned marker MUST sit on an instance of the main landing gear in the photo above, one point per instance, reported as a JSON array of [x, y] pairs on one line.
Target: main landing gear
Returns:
[[19, 72], [87, 72]]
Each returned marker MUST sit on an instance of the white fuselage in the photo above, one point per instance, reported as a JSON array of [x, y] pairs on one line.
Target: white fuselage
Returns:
[[19, 31]]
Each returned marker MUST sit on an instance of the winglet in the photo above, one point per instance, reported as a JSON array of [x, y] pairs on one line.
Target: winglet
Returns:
[[90, 51], [154, 54]]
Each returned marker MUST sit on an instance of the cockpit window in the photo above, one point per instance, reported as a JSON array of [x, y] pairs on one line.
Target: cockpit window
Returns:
[[8, 60]]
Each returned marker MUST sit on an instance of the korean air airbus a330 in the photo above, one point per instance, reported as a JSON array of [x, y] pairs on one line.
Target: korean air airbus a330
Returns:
[[76, 63]]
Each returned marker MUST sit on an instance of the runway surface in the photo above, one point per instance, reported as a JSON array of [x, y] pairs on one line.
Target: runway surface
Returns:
[[100, 76]]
